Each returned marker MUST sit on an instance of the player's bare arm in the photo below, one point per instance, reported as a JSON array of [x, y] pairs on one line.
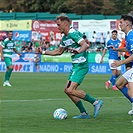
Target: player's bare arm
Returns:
[[121, 62], [84, 46], [120, 49], [104, 52], [1, 52], [58, 51]]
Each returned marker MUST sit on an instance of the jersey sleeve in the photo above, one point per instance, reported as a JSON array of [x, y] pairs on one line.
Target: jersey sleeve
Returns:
[[76, 36], [131, 44], [14, 46], [3, 44], [62, 45], [107, 44]]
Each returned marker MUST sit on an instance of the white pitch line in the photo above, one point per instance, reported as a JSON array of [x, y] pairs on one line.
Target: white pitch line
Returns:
[[57, 99]]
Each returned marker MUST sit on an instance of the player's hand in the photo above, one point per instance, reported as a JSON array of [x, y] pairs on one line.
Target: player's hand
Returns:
[[2, 57], [39, 50], [72, 50], [116, 64], [101, 61]]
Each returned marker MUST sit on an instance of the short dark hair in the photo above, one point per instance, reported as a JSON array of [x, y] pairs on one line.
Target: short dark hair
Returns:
[[9, 32], [127, 17], [114, 31], [63, 17]]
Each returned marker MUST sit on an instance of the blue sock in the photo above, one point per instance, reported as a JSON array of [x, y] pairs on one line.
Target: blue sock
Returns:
[[124, 90], [113, 80], [117, 76], [131, 100]]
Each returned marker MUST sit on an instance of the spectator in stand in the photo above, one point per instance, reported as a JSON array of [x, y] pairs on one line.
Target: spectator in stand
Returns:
[[23, 45], [102, 39], [43, 44], [52, 44], [37, 44], [108, 36], [18, 45], [94, 39], [39, 36], [100, 48], [47, 44], [57, 43], [30, 46], [36, 61]]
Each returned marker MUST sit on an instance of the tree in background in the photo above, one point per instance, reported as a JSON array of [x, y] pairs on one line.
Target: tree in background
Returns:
[[105, 7]]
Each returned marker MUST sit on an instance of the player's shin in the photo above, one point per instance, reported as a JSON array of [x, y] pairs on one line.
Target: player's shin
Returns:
[[9, 72], [80, 106], [124, 90]]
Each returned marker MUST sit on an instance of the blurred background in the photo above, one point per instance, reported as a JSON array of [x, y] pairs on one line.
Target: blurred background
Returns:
[[33, 25]]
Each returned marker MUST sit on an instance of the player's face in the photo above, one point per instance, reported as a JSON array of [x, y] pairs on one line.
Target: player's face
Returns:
[[60, 26], [10, 34], [114, 35], [122, 25]]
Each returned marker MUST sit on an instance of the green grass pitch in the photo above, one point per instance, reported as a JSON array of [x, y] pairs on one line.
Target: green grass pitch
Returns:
[[28, 106]]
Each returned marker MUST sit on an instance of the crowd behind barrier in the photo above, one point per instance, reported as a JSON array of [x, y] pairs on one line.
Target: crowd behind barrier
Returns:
[[44, 34], [97, 43]]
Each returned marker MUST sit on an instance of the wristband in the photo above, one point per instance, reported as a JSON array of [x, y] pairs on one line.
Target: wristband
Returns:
[[43, 52]]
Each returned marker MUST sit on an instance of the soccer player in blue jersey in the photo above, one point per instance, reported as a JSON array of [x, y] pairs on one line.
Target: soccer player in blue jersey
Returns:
[[73, 42], [126, 23], [113, 56]]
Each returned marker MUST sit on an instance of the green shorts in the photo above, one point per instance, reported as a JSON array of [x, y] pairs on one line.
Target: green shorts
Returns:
[[8, 61], [78, 72]]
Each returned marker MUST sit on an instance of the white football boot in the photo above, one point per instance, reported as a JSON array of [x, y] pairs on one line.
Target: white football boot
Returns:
[[130, 112], [6, 83]]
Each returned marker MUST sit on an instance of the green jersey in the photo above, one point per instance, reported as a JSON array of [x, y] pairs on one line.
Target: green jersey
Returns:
[[8, 46], [72, 40]]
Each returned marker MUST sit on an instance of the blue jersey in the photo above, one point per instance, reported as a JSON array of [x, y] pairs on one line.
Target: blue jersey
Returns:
[[115, 43], [129, 41]]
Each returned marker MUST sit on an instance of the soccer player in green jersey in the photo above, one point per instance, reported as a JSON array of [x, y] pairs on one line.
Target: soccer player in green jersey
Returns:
[[7, 48], [73, 41]]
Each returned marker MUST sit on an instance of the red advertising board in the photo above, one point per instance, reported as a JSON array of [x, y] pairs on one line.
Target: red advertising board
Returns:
[[46, 25], [47, 28], [3, 35]]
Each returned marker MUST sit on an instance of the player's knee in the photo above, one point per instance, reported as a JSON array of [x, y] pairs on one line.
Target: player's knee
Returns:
[[69, 91], [65, 90], [119, 86], [10, 67]]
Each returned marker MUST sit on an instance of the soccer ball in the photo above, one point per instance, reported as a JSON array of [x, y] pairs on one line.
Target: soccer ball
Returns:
[[60, 114]]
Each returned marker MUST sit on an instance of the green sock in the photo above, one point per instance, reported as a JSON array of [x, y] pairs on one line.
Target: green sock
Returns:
[[89, 98], [6, 76], [80, 106], [9, 73]]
